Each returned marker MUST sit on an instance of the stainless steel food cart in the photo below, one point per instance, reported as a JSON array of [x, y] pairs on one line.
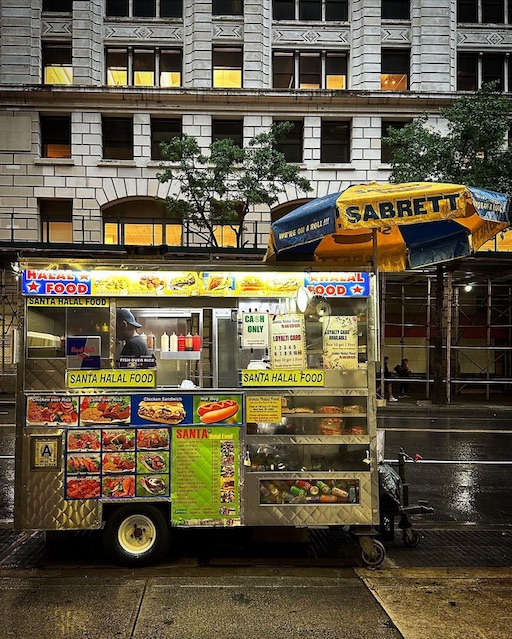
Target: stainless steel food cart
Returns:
[[254, 404]]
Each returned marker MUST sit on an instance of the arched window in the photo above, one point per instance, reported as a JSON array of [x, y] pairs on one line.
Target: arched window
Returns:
[[141, 222]]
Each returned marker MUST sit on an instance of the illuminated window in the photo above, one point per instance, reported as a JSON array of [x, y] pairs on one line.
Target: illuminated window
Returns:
[[163, 130], [227, 7], [117, 67], [291, 146], [225, 235], [228, 129], [314, 70], [395, 69], [56, 220], [395, 9], [310, 10], [56, 136], [170, 67], [58, 6], [144, 64], [57, 64], [143, 230], [386, 153], [117, 138], [144, 8], [335, 142], [227, 68], [336, 71], [143, 68]]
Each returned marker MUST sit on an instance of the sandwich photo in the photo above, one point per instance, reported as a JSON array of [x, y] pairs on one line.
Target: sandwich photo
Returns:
[[165, 412]]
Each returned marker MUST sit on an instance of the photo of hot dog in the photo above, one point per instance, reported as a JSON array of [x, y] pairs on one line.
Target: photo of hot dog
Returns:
[[213, 412]]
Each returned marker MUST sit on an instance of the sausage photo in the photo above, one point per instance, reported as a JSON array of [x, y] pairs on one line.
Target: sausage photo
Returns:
[[213, 412]]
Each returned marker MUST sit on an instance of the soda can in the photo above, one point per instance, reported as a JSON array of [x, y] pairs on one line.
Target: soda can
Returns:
[[352, 495], [323, 487], [298, 492], [339, 492], [314, 490], [301, 483], [328, 499], [273, 489], [264, 490]]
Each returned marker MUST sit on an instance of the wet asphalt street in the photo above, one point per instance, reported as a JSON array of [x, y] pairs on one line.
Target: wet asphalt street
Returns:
[[456, 584]]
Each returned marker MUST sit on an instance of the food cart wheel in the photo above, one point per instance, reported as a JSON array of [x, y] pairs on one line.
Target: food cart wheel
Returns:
[[411, 537], [137, 535], [374, 557]]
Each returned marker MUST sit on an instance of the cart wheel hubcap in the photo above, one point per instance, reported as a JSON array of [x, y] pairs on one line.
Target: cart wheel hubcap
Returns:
[[137, 534]]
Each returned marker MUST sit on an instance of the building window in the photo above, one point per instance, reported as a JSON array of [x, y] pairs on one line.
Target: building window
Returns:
[[291, 146], [493, 69], [467, 71], [335, 142], [56, 220], [163, 130], [484, 11], [227, 68], [117, 138], [395, 64], [143, 67], [310, 10], [314, 70], [57, 6], [228, 129], [140, 223], [144, 8], [490, 67], [387, 149], [57, 63], [395, 9], [227, 7], [56, 136]]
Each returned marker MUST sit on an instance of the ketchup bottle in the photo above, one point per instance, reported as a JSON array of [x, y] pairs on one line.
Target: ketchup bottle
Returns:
[[196, 342], [181, 342]]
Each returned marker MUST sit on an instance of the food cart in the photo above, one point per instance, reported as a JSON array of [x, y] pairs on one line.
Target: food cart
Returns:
[[254, 405]]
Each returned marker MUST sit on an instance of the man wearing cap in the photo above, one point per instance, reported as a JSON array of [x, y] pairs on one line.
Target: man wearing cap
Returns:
[[126, 327]]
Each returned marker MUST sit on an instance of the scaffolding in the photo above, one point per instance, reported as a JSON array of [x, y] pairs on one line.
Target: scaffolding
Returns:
[[474, 328]]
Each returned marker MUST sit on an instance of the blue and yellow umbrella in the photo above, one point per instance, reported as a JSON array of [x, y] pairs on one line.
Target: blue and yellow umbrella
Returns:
[[393, 227]]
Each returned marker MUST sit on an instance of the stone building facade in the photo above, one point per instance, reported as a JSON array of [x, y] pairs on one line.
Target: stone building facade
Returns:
[[88, 88]]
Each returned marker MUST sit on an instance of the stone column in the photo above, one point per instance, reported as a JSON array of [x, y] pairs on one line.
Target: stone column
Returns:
[[20, 23], [88, 42], [366, 38], [197, 43], [257, 44]]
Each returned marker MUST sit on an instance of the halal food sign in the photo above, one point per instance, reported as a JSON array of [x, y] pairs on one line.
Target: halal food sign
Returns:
[[62, 282], [338, 284]]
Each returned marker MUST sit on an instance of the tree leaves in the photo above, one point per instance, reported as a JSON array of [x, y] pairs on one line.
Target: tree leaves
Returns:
[[222, 186]]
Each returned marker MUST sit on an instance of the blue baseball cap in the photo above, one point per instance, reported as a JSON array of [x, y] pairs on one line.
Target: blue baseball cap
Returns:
[[125, 315]]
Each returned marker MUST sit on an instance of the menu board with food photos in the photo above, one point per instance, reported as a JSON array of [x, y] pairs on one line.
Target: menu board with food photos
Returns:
[[205, 476]]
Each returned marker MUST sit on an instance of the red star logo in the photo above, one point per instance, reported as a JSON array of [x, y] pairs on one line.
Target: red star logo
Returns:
[[357, 290], [33, 287]]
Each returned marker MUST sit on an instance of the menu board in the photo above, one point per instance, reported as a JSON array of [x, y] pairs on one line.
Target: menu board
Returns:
[[288, 348], [340, 342], [205, 476]]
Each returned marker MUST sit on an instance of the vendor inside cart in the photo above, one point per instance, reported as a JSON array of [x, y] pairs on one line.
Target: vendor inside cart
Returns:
[[127, 330]]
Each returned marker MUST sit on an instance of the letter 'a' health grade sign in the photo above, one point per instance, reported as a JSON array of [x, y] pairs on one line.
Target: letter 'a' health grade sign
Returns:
[[255, 330]]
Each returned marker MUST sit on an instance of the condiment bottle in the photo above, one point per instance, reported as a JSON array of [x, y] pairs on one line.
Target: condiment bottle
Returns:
[[151, 340], [196, 342], [181, 342], [173, 342], [189, 342], [164, 342], [144, 337]]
